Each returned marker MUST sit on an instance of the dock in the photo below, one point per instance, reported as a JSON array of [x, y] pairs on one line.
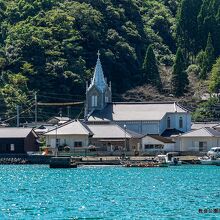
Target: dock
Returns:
[[62, 162]]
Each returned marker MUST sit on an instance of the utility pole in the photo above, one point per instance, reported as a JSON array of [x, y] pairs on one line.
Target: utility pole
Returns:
[[18, 115], [35, 112], [68, 111], [61, 112]]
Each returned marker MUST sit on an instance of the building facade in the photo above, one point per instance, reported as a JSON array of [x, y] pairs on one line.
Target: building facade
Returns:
[[201, 140], [139, 117], [72, 134], [18, 140]]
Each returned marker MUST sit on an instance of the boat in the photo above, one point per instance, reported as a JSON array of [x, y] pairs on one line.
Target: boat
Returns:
[[169, 159], [209, 161]]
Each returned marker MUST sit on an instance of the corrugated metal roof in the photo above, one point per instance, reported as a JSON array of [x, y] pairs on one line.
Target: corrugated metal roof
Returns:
[[135, 111], [202, 132], [70, 128], [11, 132], [110, 131], [198, 125]]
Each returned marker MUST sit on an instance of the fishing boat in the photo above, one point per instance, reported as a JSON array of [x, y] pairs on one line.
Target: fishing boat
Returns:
[[169, 159], [209, 161]]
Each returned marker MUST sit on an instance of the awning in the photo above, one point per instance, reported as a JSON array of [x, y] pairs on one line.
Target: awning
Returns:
[[113, 140]]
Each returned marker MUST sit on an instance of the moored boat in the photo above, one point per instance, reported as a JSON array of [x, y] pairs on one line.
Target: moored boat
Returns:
[[169, 159], [209, 161]]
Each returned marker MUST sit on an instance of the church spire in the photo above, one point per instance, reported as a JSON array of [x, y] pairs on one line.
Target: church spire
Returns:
[[98, 93], [98, 78]]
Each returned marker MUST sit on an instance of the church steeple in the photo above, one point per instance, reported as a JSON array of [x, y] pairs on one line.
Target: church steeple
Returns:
[[98, 93], [98, 79]]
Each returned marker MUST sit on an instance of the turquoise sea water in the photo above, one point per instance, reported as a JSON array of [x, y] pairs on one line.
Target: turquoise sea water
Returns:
[[37, 192]]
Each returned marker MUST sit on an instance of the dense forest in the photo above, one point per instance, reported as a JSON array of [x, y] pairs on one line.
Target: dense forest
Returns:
[[50, 47]]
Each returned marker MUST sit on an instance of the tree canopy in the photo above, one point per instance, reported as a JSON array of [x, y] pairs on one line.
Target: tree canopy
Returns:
[[51, 45]]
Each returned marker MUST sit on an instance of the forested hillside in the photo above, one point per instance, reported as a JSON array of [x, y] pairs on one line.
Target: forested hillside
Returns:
[[50, 46]]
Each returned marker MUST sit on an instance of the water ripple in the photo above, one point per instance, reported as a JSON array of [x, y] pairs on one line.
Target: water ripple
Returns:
[[37, 192]]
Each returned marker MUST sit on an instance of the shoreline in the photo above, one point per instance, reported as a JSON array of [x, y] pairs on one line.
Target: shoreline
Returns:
[[87, 160]]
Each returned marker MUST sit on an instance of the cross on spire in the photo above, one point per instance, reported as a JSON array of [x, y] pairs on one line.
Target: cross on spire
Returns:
[[98, 54], [98, 77]]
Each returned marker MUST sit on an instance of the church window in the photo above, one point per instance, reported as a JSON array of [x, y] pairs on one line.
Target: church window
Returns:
[[181, 122], [106, 99], [12, 147], [94, 101], [168, 122]]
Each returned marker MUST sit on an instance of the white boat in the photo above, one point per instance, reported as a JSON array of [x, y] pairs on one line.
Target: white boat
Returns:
[[209, 161], [170, 159]]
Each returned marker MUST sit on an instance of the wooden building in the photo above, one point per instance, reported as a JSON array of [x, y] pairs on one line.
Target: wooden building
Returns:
[[18, 140]]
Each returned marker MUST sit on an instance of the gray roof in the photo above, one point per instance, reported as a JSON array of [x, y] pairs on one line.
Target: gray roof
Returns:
[[198, 125], [137, 111], [71, 128], [111, 131], [202, 132], [11, 132]]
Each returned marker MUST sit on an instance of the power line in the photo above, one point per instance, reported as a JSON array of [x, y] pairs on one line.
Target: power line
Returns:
[[55, 97], [64, 94], [59, 104], [9, 119]]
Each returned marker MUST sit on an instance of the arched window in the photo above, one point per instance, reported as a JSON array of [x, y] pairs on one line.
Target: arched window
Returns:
[[168, 122], [94, 101], [106, 99], [181, 122]]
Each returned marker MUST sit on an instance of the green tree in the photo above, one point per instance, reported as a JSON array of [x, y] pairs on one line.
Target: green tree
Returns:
[[187, 26], [209, 50], [14, 92], [208, 59], [179, 79], [208, 22], [206, 110], [214, 82], [150, 68]]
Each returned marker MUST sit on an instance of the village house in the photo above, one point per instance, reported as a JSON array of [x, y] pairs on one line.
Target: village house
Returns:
[[73, 134], [200, 140], [113, 138], [155, 144], [18, 140]]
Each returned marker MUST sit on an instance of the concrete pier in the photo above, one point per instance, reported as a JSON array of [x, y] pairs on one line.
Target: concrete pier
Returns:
[[62, 162]]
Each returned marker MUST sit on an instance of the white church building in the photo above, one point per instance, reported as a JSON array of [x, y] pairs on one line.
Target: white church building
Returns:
[[162, 118]]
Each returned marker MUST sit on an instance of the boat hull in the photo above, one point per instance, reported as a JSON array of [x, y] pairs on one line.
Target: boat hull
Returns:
[[210, 162]]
